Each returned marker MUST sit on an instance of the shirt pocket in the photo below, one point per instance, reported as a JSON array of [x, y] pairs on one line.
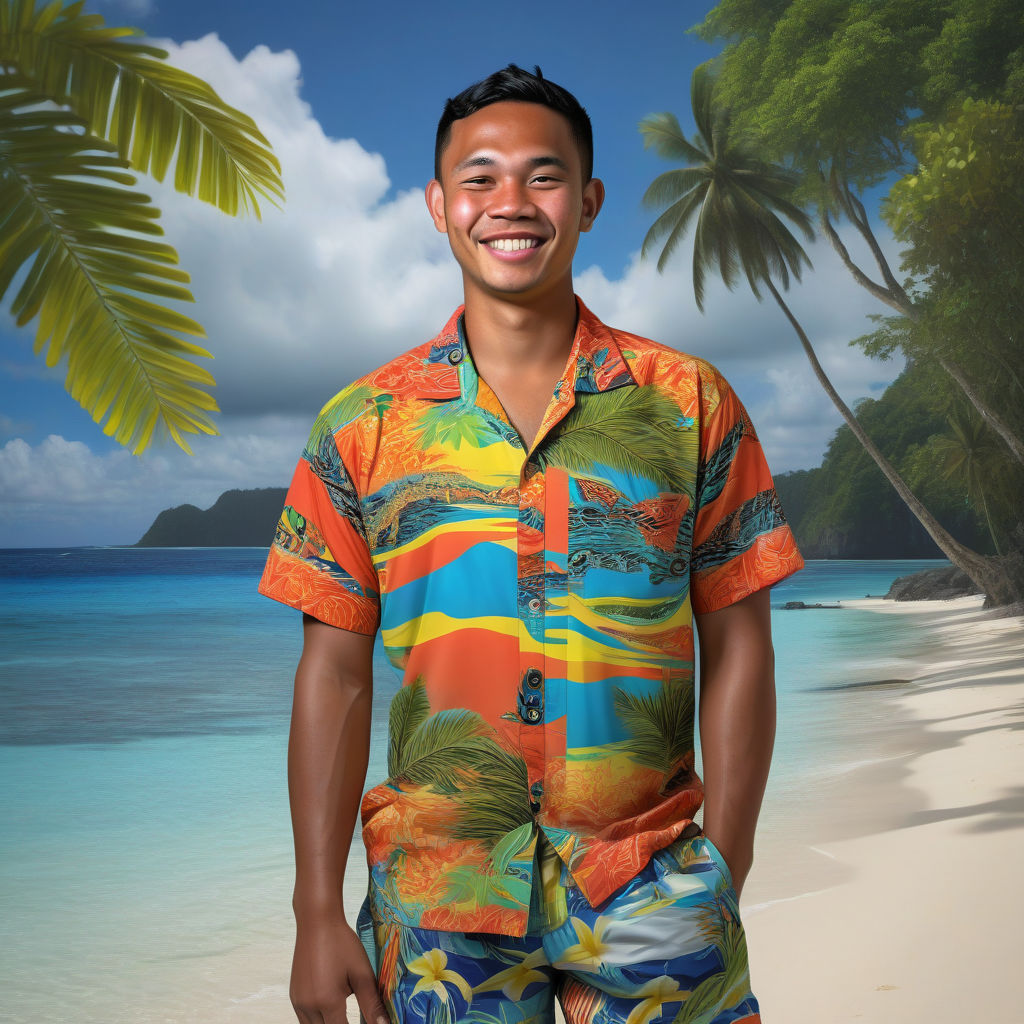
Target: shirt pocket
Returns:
[[628, 560]]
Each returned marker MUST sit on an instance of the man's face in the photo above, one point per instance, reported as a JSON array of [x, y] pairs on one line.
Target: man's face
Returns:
[[512, 200]]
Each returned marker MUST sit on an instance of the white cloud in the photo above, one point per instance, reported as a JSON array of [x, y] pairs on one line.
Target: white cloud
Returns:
[[61, 492]]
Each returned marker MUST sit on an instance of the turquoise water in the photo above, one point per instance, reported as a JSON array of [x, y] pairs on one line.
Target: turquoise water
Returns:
[[146, 832]]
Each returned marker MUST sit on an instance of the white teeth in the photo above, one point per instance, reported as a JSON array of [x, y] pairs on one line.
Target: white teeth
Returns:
[[513, 244]]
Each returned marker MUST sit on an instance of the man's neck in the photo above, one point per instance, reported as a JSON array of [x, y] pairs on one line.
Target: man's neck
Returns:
[[522, 339]]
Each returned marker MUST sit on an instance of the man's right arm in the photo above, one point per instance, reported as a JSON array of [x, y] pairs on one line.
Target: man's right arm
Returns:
[[328, 752]]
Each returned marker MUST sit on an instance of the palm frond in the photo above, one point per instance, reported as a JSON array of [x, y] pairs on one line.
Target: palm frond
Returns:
[[443, 748], [702, 105], [409, 709], [740, 198], [66, 200], [437, 425], [662, 133], [125, 92], [498, 800], [673, 185], [661, 724], [634, 430]]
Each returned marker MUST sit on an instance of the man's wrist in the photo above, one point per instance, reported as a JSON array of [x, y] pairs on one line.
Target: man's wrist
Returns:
[[317, 904]]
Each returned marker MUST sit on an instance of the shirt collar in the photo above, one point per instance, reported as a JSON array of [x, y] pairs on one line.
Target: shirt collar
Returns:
[[595, 361]]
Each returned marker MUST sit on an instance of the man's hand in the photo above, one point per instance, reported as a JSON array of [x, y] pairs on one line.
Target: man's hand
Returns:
[[737, 873], [331, 964]]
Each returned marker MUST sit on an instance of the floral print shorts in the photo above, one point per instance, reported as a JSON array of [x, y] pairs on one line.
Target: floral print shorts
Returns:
[[666, 948]]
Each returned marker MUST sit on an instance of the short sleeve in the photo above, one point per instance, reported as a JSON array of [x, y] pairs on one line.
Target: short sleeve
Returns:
[[320, 560], [741, 540]]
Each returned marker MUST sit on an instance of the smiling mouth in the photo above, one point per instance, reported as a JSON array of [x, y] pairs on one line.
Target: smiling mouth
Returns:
[[512, 244]]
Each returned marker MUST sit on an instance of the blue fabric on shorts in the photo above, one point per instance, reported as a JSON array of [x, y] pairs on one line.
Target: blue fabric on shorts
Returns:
[[668, 947]]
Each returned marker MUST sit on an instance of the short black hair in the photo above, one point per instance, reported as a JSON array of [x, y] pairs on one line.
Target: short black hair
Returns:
[[515, 83]]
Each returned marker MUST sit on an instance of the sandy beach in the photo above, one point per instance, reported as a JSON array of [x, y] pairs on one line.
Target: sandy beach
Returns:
[[905, 898]]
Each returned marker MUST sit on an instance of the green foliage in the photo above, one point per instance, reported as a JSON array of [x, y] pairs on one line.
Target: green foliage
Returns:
[[835, 510], [852, 94], [831, 83], [441, 749], [441, 424], [346, 405], [722, 989], [969, 166], [495, 802], [81, 108]]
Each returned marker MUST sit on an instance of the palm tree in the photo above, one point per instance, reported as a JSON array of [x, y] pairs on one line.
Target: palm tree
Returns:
[[737, 199], [969, 453], [82, 109]]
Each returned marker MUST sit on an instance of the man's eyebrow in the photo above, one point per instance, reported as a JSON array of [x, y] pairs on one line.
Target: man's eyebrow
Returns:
[[534, 161]]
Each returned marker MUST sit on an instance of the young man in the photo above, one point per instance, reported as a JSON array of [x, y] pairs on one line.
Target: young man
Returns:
[[533, 508]]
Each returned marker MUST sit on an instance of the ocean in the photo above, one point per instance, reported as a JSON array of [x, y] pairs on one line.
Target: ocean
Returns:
[[145, 853]]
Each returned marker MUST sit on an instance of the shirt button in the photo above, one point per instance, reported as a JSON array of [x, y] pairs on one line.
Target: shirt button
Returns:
[[533, 714], [455, 356], [534, 678]]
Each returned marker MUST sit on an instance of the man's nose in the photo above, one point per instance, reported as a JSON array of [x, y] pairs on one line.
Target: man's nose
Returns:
[[510, 199]]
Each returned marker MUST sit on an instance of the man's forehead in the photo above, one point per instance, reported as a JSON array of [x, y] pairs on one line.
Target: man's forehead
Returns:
[[531, 130]]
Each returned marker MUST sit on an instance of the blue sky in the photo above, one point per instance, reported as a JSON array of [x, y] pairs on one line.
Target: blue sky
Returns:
[[350, 272]]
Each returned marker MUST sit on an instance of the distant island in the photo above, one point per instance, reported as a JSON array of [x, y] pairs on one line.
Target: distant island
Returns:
[[237, 519]]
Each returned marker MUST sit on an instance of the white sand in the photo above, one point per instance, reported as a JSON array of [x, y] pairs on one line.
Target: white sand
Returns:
[[918, 920]]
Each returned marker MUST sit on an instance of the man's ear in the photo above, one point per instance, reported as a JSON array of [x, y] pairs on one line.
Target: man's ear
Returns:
[[435, 204], [593, 200]]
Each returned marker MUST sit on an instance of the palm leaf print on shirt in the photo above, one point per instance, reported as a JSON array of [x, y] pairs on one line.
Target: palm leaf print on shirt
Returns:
[[661, 724], [498, 802], [448, 425], [636, 430], [454, 752], [347, 405]]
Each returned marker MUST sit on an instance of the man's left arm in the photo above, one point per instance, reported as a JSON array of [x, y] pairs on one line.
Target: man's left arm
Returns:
[[737, 723]]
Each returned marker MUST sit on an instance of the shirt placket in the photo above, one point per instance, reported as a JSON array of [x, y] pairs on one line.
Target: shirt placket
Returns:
[[543, 591], [541, 583]]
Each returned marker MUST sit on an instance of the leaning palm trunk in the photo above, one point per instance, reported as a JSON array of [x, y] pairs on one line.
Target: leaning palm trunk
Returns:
[[988, 574], [892, 294], [987, 413]]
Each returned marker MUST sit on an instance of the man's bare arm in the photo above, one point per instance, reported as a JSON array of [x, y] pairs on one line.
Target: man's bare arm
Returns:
[[737, 723], [328, 751]]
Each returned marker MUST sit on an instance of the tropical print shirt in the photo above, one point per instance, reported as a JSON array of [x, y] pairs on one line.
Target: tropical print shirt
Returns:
[[537, 602]]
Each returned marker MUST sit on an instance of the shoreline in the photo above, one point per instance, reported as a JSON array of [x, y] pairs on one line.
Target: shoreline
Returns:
[[880, 905]]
